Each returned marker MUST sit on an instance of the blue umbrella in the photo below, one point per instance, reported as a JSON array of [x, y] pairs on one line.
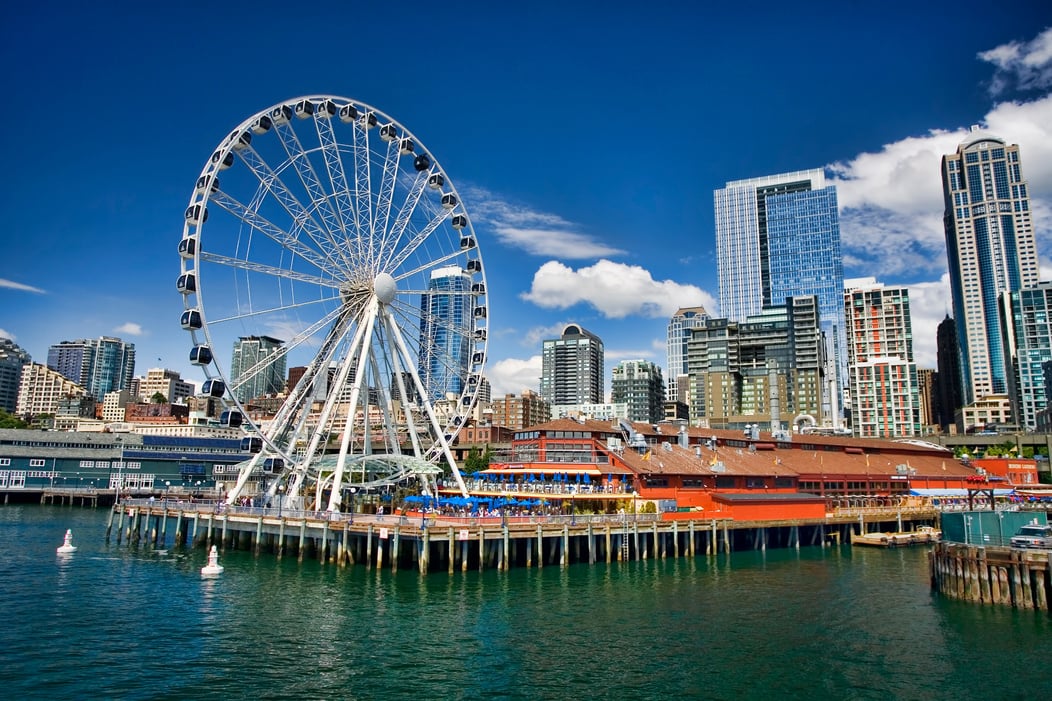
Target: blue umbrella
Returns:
[[587, 479]]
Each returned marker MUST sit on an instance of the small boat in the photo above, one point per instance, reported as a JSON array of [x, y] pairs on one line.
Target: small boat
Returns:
[[922, 536]]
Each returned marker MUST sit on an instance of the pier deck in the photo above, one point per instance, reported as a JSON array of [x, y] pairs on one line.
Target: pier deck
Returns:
[[447, 543]]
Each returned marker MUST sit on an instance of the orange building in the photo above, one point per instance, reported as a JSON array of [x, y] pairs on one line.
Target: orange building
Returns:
[[716, 473]]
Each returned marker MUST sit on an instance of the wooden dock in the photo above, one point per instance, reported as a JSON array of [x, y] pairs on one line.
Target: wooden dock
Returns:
[[993, 575], [433, 543]]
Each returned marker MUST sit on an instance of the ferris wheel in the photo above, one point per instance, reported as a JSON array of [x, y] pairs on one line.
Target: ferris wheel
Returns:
[[324, 243]]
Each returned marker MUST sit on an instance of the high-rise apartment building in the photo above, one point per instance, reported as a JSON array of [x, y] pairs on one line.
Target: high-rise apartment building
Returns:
[[572, 367], [519, 412], [766, 369], [12, 359], [168, 383], [639, 384], [679, 328], [778, 237], [258, 367], [101, 365], [885, 396], [446, 329], [990, 249], [41, 390], [1027, 324]]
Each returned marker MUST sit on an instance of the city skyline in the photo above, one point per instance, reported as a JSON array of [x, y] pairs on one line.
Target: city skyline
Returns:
[[584, 215]]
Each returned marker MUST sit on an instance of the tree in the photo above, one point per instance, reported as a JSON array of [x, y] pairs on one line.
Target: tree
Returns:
[[476, 461], [159, 398], [11, 421]]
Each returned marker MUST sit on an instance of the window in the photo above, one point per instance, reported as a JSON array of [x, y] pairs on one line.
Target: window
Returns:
[[5, 461], [36, 462]]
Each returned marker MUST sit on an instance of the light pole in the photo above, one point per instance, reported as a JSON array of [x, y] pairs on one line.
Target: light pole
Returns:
[[281, 498], [120, 468]]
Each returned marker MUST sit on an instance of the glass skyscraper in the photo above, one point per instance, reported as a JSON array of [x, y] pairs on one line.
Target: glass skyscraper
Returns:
[[102, 365], [679, 328], [777, 237], [990, 250], [257, 368], [446, 329], [572, 367]]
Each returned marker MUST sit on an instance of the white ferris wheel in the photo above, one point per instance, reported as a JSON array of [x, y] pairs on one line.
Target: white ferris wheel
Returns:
[[324, 240]]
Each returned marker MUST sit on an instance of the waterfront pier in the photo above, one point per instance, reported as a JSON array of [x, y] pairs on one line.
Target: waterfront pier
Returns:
[[995, 575], [435, 543]]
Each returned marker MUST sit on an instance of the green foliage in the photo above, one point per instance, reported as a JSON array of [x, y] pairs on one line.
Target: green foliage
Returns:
[[159, 398], [11, 421], [476, 461]]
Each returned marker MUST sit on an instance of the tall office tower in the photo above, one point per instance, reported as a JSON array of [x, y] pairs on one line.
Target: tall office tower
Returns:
[[572, 367], [639, 384], [777, 237], [1027, 324], [12, 359], [113, 369], [948, 375], [990, 248], [485, 393], [258, 367], [679, 328], [885, 397], [101, 365], [445, 332]]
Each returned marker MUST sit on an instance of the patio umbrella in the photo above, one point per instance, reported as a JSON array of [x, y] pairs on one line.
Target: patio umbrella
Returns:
[[587, 479]]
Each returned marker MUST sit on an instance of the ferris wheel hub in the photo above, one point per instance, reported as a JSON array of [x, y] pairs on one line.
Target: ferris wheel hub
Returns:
[[385, 288]]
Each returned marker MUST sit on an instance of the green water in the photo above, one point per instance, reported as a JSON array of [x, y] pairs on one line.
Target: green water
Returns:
[[126, 622]]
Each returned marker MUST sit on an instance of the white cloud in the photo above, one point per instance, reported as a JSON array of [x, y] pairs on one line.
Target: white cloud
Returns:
[[929, 305], [537, 233], [1021, 65], [7, 334], [539, 333], [891, 201], [12, 285], [129, 328], [616, 290], [512, 375]]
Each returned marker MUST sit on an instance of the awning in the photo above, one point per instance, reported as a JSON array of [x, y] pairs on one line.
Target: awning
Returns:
[[559, 469], [951, 492]]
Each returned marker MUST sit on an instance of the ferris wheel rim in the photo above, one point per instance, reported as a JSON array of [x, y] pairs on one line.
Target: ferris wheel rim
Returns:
[[381, 263]]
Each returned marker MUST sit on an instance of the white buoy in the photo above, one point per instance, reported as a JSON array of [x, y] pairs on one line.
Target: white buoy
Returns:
[[213, 567], [67, 546]]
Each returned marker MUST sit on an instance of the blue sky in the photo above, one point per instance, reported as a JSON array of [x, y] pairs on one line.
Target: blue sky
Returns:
[[585, 138]]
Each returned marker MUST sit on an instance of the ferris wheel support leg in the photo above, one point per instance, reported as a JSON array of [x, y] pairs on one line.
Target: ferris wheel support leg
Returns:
[[410, 424], [242, 479], [348, 428], [439, 432]]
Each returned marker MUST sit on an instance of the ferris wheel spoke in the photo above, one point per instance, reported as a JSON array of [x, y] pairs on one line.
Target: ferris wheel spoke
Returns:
[[432, 264], [275, 233], [362, 184], [269, 311], [391, 237], [337, 175], [383, 199], [419, 238], [319, 197], [272, 183], [271, 270]]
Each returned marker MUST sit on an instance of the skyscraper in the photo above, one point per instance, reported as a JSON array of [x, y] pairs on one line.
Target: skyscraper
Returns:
[[948, 376], [445, 332], [885, 395], [1028, 336], [679, 327], [638, 383], [990, 249], [101, 365], [572, 367], [778, 237], [258, 367], [12, 358]]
